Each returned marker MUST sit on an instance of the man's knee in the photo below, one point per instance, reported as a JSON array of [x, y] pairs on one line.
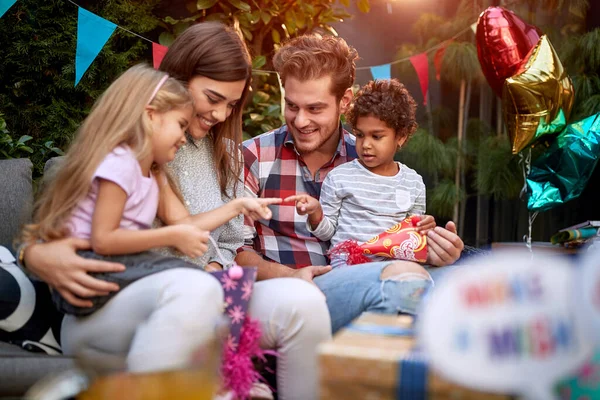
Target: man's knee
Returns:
[[402, 270]]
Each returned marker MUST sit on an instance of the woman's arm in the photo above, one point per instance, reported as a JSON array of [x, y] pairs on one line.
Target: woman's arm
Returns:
[[108, 239], [58, 264], [172, 212]]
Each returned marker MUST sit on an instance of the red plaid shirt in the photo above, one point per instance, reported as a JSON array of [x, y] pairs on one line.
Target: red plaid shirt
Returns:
[[273, 168]]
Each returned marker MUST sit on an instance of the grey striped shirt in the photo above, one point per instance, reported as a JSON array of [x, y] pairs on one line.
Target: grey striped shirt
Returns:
[[358, 204]]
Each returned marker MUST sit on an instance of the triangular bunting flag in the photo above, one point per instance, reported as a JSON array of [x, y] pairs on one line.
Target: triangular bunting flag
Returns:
[[437, 59], [158, 53], [5, 5], [421, 65], [92, 34], [382, 71]]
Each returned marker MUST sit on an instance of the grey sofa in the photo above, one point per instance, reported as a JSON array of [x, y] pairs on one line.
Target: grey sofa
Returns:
[[20, 368]]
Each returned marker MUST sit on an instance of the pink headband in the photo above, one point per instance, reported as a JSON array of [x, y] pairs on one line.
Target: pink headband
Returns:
[[162, 81]]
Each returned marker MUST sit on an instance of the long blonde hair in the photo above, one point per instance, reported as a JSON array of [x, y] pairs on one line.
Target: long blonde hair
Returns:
[[118, 117]]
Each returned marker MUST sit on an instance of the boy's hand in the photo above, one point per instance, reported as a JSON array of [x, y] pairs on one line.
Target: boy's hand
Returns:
[[426, 224], [190, 240], [257, 208], [306, 204]]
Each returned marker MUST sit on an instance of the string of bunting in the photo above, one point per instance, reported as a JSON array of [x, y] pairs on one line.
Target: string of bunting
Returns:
[[94, 31]]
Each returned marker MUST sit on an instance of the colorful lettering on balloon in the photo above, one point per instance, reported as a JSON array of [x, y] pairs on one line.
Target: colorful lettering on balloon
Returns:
[[516, 289], [540, 338]]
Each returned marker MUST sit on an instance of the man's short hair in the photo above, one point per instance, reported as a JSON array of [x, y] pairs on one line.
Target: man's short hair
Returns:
[[389, 101], [314, 56]]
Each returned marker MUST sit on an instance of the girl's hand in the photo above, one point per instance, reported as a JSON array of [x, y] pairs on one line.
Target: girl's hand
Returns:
[[305, 204], [257, 208], [213, 267], [426, 224], [190, 240]]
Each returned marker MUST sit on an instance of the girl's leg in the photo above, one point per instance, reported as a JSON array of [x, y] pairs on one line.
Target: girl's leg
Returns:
[[384, 287], [153, 324], [294, 320]]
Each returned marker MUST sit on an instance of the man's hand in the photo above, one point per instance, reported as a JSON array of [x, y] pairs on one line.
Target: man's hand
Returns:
[[308, 273], [443, 245], [58, 265]]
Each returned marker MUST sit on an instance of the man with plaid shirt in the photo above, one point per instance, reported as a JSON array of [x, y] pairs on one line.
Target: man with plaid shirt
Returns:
[[317, 75]]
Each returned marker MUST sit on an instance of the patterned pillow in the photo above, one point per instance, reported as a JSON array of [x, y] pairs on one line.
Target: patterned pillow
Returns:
[[27, 316]]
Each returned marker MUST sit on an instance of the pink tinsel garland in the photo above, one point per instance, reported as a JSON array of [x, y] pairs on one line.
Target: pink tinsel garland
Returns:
[[237, 370]]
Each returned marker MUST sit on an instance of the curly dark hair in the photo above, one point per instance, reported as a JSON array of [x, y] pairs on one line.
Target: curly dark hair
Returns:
[[389, 101]]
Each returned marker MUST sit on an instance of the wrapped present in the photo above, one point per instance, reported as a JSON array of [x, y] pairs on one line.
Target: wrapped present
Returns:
[[401, 242], [375, 358]]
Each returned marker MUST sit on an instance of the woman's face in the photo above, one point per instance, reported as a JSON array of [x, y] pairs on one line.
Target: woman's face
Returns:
[[213, 103]]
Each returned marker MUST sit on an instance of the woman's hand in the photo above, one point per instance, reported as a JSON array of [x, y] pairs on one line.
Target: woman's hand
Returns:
[[426, 224], [257, 208], [58, 264], [189, 239]]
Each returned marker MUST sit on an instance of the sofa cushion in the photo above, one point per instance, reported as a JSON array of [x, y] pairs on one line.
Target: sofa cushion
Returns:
[[27, 315], [17, 198], [20, 369]]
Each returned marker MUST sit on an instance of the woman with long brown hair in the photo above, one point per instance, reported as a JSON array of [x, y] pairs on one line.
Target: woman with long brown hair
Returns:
[[214, 61]]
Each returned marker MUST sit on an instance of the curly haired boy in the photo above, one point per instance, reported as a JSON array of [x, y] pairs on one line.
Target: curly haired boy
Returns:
[[362, 198]]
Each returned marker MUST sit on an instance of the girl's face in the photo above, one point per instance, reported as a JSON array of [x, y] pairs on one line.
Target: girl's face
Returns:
[[169, 132], [213, 103]]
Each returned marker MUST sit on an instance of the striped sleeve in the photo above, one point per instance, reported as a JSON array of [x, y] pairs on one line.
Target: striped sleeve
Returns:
[[331, 204], [419, 206]]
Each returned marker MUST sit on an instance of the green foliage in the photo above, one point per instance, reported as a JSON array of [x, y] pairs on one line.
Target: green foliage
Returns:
[[460, 63], [37, 93], [263, 113], [428, 154], [442, 197], [581, 57], [263, 23], [498, 172]]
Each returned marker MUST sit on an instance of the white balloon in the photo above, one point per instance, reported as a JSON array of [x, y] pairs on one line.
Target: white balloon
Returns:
[[506, 325], [587, 293]]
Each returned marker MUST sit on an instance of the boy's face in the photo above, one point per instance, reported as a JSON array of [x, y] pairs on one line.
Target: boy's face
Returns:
[[312, 112], [376, 145]]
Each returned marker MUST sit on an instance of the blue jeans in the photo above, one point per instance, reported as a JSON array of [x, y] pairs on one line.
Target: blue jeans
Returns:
[[351, 290]]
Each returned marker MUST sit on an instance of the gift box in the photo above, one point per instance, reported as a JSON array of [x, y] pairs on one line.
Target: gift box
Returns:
[[376, 358]]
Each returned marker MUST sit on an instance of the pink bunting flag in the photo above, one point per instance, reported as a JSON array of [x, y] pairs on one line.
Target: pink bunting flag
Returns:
[[158, 53], [421, 65]]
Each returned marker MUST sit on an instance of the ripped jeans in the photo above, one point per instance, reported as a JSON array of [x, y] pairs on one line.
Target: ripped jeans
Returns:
[[351, 290]]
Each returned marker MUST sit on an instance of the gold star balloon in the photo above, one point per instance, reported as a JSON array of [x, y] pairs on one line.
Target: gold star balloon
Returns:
[[537, 100]]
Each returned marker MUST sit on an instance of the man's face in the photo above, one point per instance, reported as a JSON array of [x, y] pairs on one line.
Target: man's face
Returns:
[[312, 112]]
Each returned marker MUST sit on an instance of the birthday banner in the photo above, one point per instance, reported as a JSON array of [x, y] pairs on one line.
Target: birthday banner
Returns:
[[94, 31]]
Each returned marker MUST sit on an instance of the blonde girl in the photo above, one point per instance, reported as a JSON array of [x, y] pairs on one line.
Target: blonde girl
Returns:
[[112, 184]]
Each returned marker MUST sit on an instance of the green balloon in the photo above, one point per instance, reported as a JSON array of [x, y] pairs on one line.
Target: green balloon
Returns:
[[562, 172]]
